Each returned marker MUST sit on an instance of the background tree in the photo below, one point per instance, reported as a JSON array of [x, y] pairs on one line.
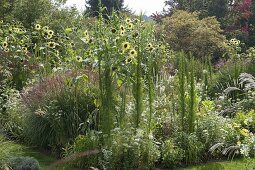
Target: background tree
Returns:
[[6, 6], [92, 6], [207, 8], [28, 11], [185, 31]]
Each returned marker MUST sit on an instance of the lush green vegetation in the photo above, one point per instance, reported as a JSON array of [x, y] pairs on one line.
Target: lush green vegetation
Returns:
[[115, 91]]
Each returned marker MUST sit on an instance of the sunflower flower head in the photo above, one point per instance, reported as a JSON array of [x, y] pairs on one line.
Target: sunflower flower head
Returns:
[[45, 28], [132, 53], [128, 20], [21, 42], [6, 50], [234, 42], [125, 46], [86, 33], [48, 36], [24, 49], [51, 45], [129, 60], [122, 33], [149, 47], [5, 44], [79, 59], [37, 27], [122, 28], [20, 31], [130, 26], [50, 32], [72, 44]]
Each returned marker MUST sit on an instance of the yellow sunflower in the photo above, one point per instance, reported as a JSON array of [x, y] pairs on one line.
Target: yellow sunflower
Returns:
[[45, 28], [6, 50], [132, 53], [5, 44], [48, 36], [149, 47], [122, 28], [128, 20], [125, 46], [37, 27], [122, 33], [130, 26], [128, 60], [21, 42], [51, 44], [79, 59], [50, 32]]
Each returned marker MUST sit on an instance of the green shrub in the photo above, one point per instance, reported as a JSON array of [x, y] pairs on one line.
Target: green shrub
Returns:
[[211, 129], [246, 120], [61, 108], [81, 144], [193, 148], [130, 151], [185, 31], [23, 163], [12, 118], [172, 155]]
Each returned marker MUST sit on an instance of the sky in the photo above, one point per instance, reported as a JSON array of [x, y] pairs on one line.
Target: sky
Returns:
[[146, 6]]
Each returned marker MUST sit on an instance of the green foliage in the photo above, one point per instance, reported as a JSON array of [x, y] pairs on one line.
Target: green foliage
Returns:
[[212, 129], [172, 155], [182, 82], [130, 151], [192, 99], [191, 145], [246, 120], [81, 144], [187, 105], [185, 31]]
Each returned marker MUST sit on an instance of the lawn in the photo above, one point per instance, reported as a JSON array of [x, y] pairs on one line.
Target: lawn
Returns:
[[239, 164], [225, 165]]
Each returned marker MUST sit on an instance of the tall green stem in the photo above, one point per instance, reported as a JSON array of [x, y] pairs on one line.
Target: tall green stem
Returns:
[[182, 88], [192, 98]]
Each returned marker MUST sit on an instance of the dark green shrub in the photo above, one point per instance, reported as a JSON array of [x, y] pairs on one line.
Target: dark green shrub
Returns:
[[24, 163]]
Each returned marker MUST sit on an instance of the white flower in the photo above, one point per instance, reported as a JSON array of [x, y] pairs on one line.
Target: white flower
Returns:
[[244, 150]]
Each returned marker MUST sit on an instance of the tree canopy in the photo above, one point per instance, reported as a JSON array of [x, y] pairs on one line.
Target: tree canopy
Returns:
[[92, 6]]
